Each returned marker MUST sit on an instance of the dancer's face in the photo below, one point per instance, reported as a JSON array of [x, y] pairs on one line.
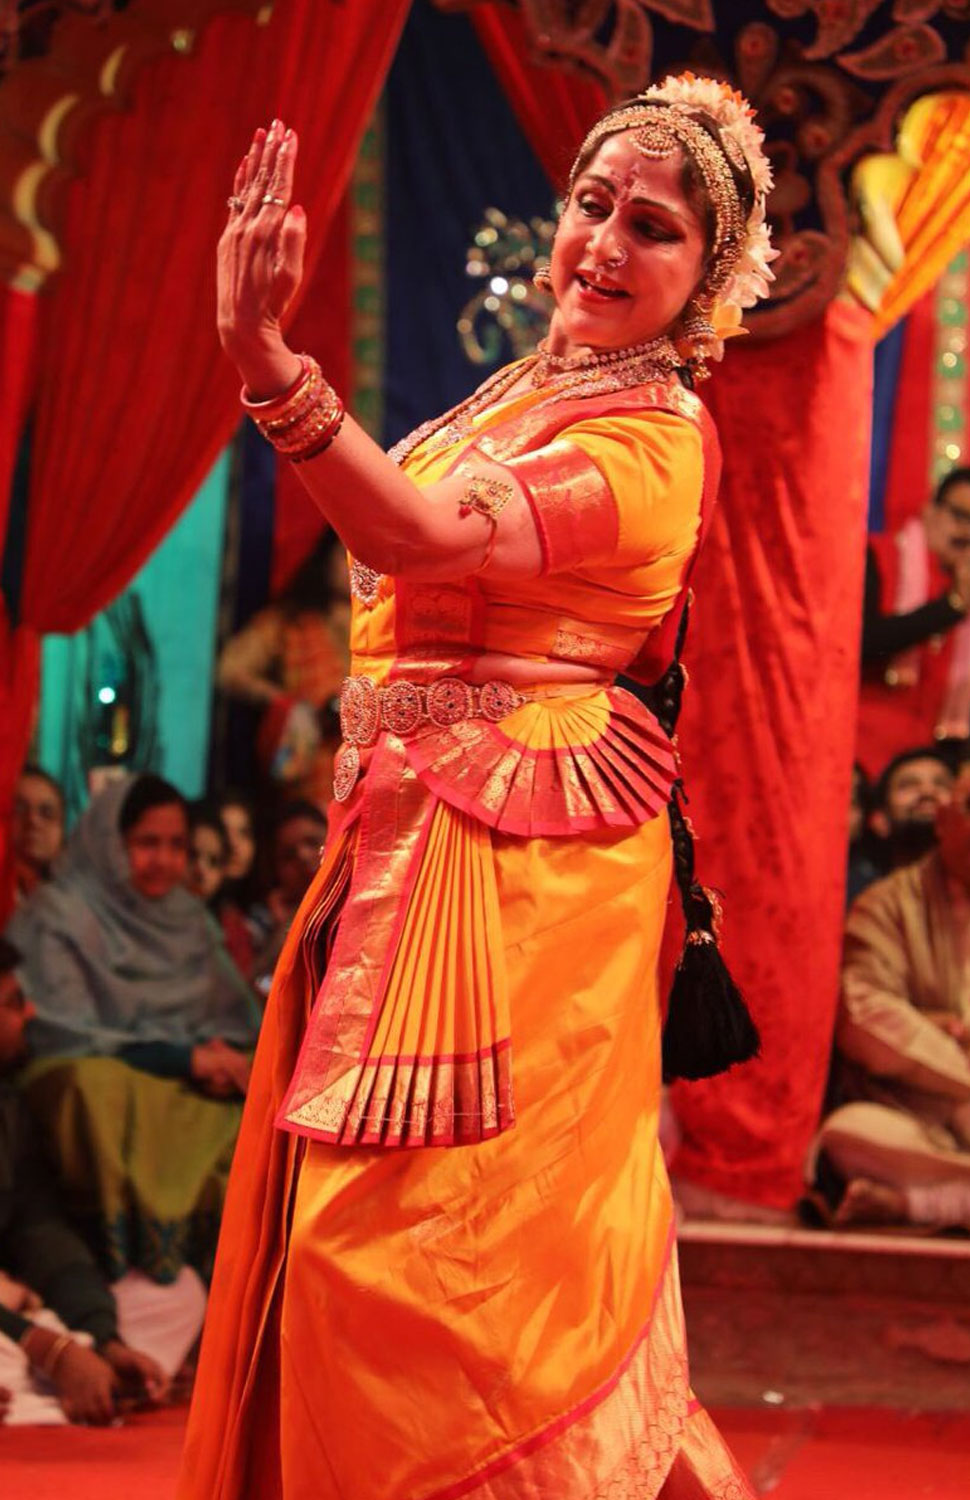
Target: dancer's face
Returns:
[[629, 251]]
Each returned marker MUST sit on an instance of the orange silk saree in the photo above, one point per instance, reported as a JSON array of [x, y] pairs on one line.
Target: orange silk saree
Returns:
[[447, 1265]]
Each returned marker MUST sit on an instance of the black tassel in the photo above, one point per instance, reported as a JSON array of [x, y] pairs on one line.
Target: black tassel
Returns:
[[708, 1027]]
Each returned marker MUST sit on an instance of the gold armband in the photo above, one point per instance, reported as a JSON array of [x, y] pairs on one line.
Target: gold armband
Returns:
[[488, 498]]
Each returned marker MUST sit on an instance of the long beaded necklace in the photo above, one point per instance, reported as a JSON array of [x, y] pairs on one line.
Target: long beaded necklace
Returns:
[[585, 375]]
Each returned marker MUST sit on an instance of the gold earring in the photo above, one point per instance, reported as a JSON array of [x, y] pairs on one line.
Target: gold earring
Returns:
[[698, 328], [542, 278]]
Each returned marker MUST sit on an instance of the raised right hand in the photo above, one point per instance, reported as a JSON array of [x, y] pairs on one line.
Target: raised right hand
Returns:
[[260, 261]]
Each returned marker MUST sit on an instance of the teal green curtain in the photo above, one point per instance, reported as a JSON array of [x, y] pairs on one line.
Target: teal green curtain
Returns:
[[135, 686]]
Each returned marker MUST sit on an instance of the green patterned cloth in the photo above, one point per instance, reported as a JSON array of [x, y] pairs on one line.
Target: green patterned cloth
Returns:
[[143, 1161]]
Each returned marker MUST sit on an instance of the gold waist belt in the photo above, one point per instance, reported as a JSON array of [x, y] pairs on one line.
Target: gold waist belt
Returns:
[[401, 707]]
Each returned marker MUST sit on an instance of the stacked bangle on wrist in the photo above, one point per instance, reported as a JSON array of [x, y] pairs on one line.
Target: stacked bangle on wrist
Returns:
[[303, 421]]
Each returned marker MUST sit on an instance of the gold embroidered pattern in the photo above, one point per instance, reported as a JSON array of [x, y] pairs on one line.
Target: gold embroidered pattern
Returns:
[[570, 645], [574, 508], [365, 582]]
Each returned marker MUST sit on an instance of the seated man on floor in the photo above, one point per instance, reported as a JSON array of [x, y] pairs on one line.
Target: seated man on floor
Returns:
[[901, 1145], [62, 1357]]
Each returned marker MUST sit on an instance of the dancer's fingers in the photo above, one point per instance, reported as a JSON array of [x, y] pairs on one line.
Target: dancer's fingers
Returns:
[[253, 164], [285, 168], [292, 251]]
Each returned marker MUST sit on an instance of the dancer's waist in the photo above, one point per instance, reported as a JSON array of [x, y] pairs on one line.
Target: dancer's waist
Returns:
[[403, 706]]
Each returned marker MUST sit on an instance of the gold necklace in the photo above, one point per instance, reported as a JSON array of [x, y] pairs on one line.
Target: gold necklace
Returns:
[[639, 362]]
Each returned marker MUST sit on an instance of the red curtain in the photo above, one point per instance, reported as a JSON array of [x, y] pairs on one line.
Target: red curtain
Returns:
[[18, 333], [135, 399], [908, 476], [768, 731], [18, 650], [554, 108]]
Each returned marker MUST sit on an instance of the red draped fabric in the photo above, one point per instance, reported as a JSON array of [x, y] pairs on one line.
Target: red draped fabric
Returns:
[[554, 108], [768, 731], [908, 476], [18, 650], [18, 333], [135, 399]]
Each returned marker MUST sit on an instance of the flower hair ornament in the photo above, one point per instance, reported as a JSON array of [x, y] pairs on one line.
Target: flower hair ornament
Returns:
[[663, 120]]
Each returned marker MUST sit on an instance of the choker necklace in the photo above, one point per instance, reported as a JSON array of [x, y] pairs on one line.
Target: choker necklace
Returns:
[[656, 356]]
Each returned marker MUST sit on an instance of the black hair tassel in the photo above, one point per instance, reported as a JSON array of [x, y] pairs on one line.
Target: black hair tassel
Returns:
[[708, 1027]]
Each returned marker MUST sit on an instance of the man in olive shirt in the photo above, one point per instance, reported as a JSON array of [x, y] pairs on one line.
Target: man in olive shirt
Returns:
[[46, 1268]]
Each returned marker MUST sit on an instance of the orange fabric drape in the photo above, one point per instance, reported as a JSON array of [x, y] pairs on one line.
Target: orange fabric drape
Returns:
[[555, 108], [768, 729], [135, 400]]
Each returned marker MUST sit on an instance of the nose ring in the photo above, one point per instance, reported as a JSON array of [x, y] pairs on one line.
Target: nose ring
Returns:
[[618, 259]]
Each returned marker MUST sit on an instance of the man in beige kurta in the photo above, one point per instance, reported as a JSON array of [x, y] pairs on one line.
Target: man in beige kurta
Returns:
[[903, 1032]]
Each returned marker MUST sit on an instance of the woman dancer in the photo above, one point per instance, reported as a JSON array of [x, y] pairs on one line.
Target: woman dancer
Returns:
[[447, 1266]]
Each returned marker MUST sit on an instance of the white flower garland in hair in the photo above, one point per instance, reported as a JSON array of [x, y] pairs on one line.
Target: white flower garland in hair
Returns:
[[732, 113]]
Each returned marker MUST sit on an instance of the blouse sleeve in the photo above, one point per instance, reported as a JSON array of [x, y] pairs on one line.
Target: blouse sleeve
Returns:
[[623, 489]]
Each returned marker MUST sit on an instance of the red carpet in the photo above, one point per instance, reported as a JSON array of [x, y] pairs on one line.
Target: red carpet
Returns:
[[799, 1455]]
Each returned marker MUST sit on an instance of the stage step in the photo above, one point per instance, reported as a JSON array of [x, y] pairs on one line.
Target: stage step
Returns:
[[792, 1317]]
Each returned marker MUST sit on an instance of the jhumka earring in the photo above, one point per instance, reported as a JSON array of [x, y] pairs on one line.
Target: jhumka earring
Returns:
[[698, 328], [542, 278]]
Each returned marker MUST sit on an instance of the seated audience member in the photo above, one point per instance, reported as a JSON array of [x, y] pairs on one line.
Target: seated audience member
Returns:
[[239, 820], [64, 1355], [37, 829], [901, 1145], [208, 858], [908, 795], [916, 631], [298, 834], [864, 867], [140, 1035], [290, 661]]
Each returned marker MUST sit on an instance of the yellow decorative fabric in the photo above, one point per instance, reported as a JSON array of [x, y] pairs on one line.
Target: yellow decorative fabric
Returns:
[[915, 206]]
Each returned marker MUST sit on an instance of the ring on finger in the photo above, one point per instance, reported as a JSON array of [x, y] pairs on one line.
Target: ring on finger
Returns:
[[269, 198], [235, 204]]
